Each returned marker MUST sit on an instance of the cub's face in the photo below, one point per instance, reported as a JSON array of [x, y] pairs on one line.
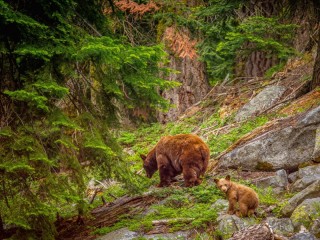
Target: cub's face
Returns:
[[223, 184]]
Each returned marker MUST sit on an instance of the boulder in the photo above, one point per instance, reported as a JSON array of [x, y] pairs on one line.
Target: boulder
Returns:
[[279, 182], [309, 171], [222, 206], [306, 176], [306, 213], [286, 146], [303, 236], [228, 224], [120, 234], [262, 101], [312, 191], [175, 236], [304, 182], [281, 226], [315, 227], [126, 234], [316, 151], [292, 177]]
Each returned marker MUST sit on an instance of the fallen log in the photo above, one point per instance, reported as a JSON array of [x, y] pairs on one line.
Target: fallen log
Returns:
[[256, 232], [103, 216]]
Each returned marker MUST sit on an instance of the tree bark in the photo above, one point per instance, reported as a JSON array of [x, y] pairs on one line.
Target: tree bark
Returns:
[[315, 82]]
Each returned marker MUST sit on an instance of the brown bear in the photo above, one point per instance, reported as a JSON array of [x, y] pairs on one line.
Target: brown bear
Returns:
[[246, 197], [172, 155]]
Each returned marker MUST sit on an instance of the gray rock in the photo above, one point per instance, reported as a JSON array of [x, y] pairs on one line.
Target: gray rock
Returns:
[[316, 151], [120, 234], [292, 177], [304, 182], [126, 234], [228, 224], [303, 236], [312, 191], [306, 176], [309, 171], [306, 213], [222, 206], [315, 227], [282, 226], [279, 182], [284, 148], [265, 99], [180, 235], [311, 118]]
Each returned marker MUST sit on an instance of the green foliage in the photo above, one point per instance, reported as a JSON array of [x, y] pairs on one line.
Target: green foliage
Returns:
[[274, 69], [31, 97], [252, 34], [219, 143], [188, 208], [62, 86]]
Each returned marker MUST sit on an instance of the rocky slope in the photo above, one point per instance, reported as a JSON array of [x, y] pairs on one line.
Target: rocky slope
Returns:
[[270, 142]]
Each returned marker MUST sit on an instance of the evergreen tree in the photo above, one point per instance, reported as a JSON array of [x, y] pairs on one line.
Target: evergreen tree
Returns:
[[62, 77]]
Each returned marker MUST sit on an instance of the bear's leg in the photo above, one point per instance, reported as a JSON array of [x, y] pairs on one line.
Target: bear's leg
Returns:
[[243, 210], [251, 212], [190, 177], [165, 178], [165, 170], [232, 205]]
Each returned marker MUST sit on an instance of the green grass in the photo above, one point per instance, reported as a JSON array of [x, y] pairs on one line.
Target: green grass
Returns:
[[184, 203], [187, 207], [220, 142]]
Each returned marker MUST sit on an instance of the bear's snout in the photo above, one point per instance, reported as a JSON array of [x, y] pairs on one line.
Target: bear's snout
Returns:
[[224, 188]]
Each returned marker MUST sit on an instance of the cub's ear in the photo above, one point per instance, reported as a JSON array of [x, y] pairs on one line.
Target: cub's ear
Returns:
[[143, 156], [216, 180], [228, 177]]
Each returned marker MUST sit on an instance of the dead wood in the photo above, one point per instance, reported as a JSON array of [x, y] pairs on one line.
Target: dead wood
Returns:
[[256, 232], [103, 216]]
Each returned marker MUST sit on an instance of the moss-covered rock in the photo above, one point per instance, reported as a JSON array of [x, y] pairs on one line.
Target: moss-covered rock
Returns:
[[228, 224], [306, 213]]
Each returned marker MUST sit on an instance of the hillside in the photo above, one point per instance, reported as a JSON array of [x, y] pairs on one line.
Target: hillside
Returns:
[[86, 87], [177, 212]]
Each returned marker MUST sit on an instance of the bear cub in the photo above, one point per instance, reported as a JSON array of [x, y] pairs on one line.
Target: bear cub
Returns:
[[245, 197]]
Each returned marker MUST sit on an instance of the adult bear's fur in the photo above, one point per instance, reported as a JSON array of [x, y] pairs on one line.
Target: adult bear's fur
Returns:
[[182, 153]]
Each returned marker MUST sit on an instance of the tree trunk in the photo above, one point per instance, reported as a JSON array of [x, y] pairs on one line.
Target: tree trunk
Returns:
[[194, 86], [315, 82], [258, 62]]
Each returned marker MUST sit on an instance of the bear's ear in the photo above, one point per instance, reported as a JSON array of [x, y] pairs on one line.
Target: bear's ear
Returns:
[[216, 180], [143, 156], [228, 177]]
